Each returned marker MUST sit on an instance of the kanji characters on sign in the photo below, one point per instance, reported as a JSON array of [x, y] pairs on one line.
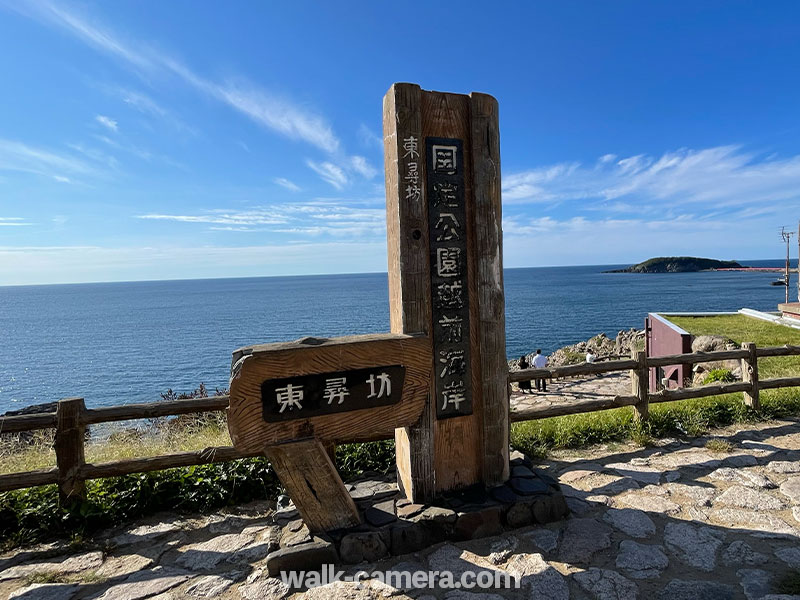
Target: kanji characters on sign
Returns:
[[307, 396], [447, 221]]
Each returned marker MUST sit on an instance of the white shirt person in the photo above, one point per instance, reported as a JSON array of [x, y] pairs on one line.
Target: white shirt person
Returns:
[[540, 362]]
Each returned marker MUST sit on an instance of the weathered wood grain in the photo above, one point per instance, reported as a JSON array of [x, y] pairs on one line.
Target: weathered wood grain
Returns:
[[695, 357], [152, 410], [750, 375], [778, 382], [166, 461], [17, 423], [488, 249], [26, 479], [311, 480], [68, 444], [251, 433], [786, 350], [698, 392], [409, 276], [640, 382], [573, 370], [545, 409], [458, 441]]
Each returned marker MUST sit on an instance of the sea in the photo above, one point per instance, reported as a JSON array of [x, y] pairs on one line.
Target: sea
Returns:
[[120, 343]]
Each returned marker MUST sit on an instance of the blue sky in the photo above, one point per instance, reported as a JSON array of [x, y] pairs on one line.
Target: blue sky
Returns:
[[160, 140]]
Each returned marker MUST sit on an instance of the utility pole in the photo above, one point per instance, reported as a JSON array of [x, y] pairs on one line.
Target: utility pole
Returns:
[[786, 235], [798, 261]]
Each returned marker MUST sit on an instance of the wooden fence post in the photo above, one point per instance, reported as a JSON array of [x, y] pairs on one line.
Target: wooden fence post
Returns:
[[70, 457], [640, 382], [750, 375]]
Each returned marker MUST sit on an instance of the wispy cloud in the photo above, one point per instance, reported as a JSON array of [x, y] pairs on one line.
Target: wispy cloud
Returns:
[[16, 156], [369, 138], [321, 217], [107, 122], [146, 105], [289, 185], [333, 174], [222, 217], [360, 165], [722, 176], [278, 114], [13, 222], [542, 241], [68, 264]]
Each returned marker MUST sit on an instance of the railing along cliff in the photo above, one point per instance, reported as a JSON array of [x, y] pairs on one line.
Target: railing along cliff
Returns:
[[72, 417]]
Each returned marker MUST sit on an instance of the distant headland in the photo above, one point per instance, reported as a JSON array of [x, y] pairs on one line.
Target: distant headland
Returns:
[[678, 264]]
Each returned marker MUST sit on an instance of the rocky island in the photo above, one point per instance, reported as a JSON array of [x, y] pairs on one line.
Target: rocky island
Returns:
[[678, 264]]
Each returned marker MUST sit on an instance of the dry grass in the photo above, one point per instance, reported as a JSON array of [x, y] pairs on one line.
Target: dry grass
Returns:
[[156, 437]]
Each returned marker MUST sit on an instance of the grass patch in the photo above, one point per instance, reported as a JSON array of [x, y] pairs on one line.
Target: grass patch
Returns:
[[45, 577], [719, 445], [742, 329]]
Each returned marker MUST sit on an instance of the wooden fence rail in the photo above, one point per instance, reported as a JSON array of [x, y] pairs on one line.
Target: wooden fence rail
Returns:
[[72, 418], [640, 397]]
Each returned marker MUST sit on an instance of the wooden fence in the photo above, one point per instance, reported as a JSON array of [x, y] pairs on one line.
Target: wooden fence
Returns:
[[641, 398], [72, 417], [70, 422]]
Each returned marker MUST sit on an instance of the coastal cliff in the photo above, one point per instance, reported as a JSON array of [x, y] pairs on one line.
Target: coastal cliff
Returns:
[[678, 264]]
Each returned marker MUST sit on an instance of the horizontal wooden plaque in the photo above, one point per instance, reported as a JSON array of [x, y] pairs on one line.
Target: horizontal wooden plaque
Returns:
[[306, 396], [320, 359]]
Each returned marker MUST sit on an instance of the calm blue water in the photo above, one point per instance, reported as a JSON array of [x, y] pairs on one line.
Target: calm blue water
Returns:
[[115, 343]]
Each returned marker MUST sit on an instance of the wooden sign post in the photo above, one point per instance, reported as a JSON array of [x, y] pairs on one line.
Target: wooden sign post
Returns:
[[438, 382], [444, 231]]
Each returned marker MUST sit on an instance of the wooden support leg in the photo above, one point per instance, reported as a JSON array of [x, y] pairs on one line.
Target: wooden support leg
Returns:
[[68, 445], [639, 386], [750, 375], [311, 480]]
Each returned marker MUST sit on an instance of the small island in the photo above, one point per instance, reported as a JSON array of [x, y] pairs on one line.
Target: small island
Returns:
[[678, 264]]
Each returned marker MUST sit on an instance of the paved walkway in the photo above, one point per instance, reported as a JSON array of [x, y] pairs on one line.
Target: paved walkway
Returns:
[[679, 521], [573, 389]]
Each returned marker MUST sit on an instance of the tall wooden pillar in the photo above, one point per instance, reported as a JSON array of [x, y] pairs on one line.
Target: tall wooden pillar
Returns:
[[445, 270]]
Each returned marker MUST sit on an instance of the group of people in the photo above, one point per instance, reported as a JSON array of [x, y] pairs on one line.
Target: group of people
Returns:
[[539, 361]]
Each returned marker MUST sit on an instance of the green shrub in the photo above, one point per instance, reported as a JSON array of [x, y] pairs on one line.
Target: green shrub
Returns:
[[723, 375]]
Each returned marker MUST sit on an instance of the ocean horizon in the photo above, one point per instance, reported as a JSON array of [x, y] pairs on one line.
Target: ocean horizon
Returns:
[[125, 342]]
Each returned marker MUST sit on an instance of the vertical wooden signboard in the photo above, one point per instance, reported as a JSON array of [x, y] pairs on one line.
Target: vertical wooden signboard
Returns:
[[444, 232]]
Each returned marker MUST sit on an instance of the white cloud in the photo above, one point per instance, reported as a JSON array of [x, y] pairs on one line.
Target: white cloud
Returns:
[[141, 102], [72, 264], [221, 217], [360, 165], [289, 185], [147, 106], [321, 217], [13, 222], [544, 241], [107, 122], [333, 174], [711, 178], [278, 114], [16, 156]]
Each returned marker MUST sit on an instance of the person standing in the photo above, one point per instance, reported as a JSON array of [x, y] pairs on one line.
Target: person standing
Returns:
[[591, 358], [524, 386], [540, 362]]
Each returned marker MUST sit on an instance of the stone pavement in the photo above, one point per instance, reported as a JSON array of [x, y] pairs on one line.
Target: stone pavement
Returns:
[[680, 520], [573, 389]]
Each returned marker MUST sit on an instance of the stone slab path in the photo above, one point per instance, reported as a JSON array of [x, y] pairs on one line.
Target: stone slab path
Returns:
[[681, 520], [574, 389]]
